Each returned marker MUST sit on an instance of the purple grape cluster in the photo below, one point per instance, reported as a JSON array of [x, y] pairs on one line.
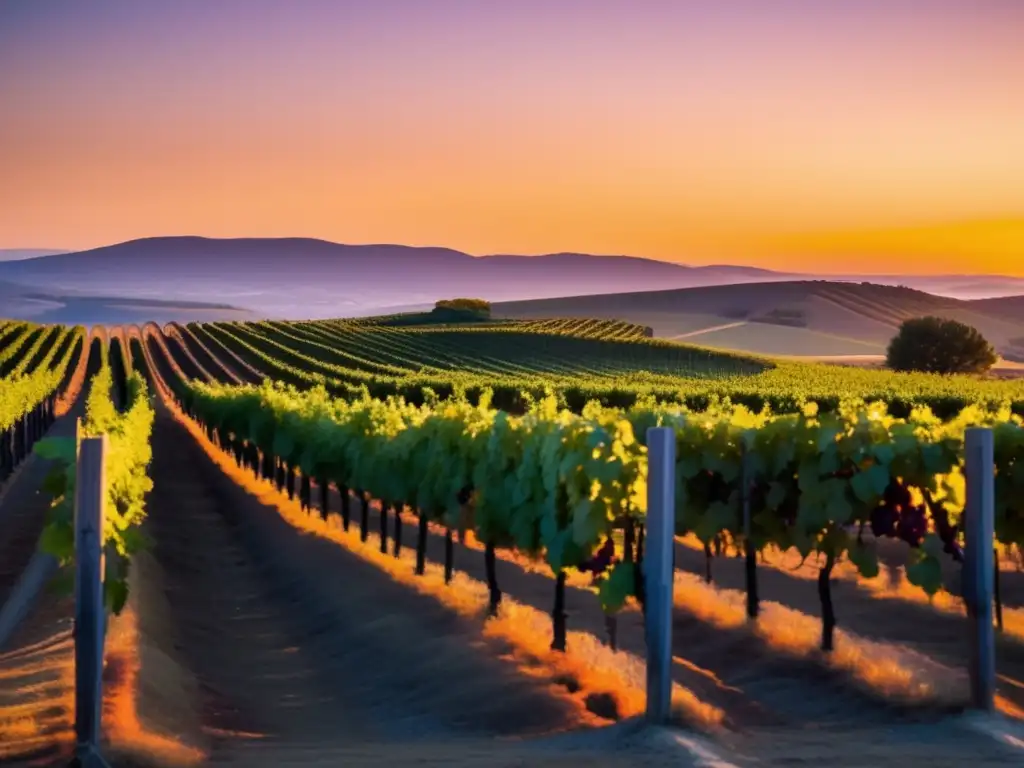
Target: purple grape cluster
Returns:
[[913, 525], [601, 560], [897, 516]]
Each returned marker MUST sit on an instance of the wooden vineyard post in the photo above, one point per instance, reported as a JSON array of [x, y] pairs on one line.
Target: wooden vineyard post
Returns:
[[658, 575], [90, 501], [979, 533], [750, 553]]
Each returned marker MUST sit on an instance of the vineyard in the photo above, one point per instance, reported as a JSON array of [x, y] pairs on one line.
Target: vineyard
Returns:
[[427, 534]]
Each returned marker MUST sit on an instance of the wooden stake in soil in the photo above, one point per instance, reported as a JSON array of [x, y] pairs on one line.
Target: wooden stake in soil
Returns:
[[558, 615], [828, 616], [979, 468], [751, 553], [346, 506], [398, 530], [90, 616], [421, 545], [490, 569], [291, 482], [995, 589], [641, 593], [658, 575], [325, 497], [449, 556]]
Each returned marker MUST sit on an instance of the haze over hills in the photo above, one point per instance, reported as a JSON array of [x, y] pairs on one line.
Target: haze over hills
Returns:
[[15, 254], [804, 318], [29, 303], [308, 278], [298, 277]]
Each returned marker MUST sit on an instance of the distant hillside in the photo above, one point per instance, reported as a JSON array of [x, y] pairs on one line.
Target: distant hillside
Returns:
[[805, 318], [306, 278], [26, 303], [14, 254], [299, 277]]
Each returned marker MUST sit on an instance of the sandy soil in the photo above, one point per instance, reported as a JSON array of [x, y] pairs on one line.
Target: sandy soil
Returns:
[[906, 621]]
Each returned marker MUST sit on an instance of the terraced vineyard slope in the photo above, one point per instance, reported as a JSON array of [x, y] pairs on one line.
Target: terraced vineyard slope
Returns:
[[580, 360]]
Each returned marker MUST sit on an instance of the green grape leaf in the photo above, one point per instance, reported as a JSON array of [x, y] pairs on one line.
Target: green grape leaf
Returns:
[[63, 448], [56, 484], [776, 495], [587, 523], [133, 540], [865, 559], [563, 552], [869, 484], [718, 517], [839, 510], [925, 573], [283, 445], [619, 586], [883, 453], [58, 540], [933, 546], [115, 595]]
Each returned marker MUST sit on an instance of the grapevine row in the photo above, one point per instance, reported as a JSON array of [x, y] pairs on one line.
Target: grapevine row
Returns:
[[571, 487], [348, 356], [28, 401], [128, 432]]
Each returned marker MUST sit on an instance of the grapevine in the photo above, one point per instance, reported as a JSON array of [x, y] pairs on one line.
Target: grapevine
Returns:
[[128, 455], [567, 487]]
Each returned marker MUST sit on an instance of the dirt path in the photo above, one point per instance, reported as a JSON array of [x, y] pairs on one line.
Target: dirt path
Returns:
[[285, 652], [36, 664], [710, 329], [938, 634]]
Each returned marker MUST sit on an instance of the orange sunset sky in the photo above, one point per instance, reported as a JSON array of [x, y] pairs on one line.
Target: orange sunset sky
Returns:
[[862, 136]]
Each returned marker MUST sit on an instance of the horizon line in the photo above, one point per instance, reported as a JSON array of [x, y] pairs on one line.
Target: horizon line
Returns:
[[686, 265]]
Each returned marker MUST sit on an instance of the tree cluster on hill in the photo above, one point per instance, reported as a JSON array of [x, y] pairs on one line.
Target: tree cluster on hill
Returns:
[[936, 345], [462, 309], [476, 305]]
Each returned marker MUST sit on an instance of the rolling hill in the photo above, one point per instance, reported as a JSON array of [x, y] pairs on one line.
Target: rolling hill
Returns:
[[14, 254], [305, 278], [799, 318], [299, 278]]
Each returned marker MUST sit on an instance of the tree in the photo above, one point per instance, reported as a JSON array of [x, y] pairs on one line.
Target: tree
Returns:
[[937, 345], [472, 305], [461, 310]]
